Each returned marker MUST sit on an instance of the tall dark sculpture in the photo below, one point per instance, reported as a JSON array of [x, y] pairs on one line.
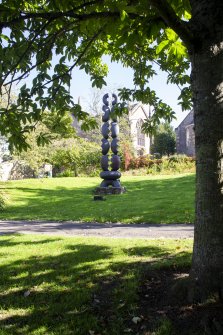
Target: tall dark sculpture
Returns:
[[110, 164]]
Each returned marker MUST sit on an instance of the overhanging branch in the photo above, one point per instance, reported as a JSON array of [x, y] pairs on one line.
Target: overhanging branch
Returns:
[[69, 14], [173, 21]]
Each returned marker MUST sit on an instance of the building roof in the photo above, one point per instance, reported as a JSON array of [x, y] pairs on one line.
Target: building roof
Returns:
[[133, 108], [188, 116]]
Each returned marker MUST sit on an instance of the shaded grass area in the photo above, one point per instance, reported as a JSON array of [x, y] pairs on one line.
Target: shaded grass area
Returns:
[[157, 199], [78, 286]]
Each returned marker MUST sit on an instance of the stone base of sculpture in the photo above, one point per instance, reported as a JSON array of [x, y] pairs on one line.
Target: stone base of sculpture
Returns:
[[109, 190]]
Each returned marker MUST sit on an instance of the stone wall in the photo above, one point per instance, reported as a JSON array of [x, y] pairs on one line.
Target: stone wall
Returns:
[[185, 138], [14, 170], [5, 170]]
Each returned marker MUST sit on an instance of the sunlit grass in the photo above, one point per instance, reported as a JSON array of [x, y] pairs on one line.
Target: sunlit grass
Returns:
[[52, 285], [159, 199]]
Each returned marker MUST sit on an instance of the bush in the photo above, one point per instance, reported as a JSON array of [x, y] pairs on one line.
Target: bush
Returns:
[[143, 161], [164, 144], [172, 164], [66, 173], [78, 157], [164, 141]]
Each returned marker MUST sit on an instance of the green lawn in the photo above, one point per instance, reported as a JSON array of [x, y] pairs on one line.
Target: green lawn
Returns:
[[78, 286], [158, 199]]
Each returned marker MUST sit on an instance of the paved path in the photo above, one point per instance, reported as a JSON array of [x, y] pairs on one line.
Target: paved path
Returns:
[[115, 230]]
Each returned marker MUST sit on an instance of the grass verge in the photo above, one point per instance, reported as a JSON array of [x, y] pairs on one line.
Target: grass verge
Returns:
[[158, 199], [79, 286]]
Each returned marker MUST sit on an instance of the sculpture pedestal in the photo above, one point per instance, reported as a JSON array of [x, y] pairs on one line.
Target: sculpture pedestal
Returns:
[[109, 190]]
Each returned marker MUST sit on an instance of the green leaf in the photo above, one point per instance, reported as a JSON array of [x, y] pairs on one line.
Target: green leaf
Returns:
[[161, 46], [171, 35], [123, 15]]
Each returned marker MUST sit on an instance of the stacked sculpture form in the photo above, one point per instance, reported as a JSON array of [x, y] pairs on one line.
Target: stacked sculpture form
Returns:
[[111, 183]]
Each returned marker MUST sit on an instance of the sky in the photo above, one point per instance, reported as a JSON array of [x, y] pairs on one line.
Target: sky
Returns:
[[120, 76]]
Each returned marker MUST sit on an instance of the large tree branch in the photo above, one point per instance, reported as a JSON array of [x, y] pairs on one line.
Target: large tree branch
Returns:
[[56, 15], [173, 21], [24, 15]]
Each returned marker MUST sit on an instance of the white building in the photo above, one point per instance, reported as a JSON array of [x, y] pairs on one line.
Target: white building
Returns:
[[141, 142], [5, 167]]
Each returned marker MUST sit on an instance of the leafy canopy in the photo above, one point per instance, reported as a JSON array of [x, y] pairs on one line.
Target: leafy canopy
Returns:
[[42, 41]]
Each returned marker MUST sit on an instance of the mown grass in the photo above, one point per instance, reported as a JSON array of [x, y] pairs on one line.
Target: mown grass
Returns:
[[78, 286], [158, 199]]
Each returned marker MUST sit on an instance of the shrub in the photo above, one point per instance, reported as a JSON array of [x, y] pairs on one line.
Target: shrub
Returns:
[[126, 155], [78, 157], [143, 161], [164, 141], [66, 173], [172, 164], [181, 159]]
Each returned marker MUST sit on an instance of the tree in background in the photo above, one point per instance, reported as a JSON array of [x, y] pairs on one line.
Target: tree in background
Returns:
[[164, 140], [51, 130], [74, 157], [52, 37]]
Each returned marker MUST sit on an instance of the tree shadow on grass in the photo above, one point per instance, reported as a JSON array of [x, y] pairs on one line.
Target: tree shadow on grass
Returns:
[[59, 287], [10, 241], [72, 292], [149, 251]]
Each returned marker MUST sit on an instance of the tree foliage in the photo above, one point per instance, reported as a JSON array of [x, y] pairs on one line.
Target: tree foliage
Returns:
[[164, 140], [45, 40], [74, 157], [44, 137]]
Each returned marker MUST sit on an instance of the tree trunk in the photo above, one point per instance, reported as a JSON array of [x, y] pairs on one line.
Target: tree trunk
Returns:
[[207, 86]]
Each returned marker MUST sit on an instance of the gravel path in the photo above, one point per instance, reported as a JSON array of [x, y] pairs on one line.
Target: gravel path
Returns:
[[115, 230]]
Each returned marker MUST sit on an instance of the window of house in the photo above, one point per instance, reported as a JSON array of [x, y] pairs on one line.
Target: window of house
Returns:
[[140, 135]]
